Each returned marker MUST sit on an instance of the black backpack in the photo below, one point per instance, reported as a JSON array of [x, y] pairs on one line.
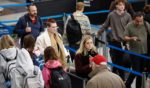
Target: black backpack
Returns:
[[73, 31], [59, 78]]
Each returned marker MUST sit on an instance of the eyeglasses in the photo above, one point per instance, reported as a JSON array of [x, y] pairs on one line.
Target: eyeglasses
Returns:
[[54, 27]]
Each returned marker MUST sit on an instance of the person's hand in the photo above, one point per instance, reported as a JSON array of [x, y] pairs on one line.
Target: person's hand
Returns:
[[99, 33], [28, 29], [37, 51], [135, 38]]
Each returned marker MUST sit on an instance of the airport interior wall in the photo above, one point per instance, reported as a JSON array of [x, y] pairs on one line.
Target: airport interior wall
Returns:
[[55, 7]]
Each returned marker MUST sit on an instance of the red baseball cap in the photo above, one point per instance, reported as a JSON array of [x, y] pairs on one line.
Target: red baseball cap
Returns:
[[99, 59]]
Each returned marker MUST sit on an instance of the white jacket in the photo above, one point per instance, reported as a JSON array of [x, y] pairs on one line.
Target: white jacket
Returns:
[[23, 60], [44, 41]]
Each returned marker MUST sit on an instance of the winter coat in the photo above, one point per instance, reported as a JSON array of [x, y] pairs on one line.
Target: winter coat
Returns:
[[103, 78], [24, 22], [44, 41], [46, 72], [24, 61], [7, 53], [82, 64]]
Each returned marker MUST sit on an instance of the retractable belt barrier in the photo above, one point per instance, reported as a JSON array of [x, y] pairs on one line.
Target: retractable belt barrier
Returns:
[[87, 13]]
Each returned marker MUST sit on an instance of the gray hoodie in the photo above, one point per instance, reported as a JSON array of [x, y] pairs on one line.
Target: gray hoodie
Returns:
[[7, 53]]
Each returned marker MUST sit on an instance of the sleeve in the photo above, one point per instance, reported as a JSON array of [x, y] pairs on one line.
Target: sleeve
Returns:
[[39, 44], [41, 78], [126, 32], [105, 25], [2, 71], [20, 27], [80, 68], [129, 19], [46, 77], [2, 64], [88, 22]]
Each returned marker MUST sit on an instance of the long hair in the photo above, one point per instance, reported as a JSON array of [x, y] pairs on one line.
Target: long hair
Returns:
[[82, 48], [29, 43], [6, 42], [50, 54]]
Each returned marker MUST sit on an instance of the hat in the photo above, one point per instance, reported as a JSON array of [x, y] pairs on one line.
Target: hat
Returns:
[[99, 59]]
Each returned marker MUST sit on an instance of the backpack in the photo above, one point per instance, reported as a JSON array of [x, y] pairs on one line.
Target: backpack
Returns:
[[59, 78], [73, 31], [17, 75], [31, 80], [11, 65], [26, 72]]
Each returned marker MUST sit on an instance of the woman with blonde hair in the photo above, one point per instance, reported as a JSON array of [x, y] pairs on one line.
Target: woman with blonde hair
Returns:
[[7, 50], [86, 50]]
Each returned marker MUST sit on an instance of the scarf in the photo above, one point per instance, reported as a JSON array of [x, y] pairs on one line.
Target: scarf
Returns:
[[57, 44]]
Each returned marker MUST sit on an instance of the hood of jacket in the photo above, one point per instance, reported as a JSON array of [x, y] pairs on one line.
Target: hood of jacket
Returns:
[[53, 64], [9, 53]]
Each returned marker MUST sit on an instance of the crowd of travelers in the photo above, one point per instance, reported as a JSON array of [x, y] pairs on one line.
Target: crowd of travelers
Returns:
[[41, 59]]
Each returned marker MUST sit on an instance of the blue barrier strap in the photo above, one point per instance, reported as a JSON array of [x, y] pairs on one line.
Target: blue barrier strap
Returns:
[[95, 26], [54, 16], [96, 12], [8, 21], [71, 49], [8, 27], [126, 51], [114, 65], [43, 18], [125, 69], [5, 29], [129, 52], [14, 5], [92, 12], [133, 1]]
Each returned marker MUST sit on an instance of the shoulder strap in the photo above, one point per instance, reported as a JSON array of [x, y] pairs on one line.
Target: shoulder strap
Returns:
[[36, 69], [2, 55], [72, 17], [16, 54]]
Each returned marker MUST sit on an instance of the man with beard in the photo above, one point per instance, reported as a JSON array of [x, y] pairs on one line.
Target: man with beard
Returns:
[[30, 23]]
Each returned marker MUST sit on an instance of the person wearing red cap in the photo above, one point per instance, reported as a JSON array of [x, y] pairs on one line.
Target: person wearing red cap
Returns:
[[101, 77]]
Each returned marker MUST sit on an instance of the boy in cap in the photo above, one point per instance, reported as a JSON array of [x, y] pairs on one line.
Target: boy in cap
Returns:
[[101, 77]]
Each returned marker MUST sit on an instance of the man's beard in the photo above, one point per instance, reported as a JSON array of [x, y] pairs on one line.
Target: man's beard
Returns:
[[33, 15]]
